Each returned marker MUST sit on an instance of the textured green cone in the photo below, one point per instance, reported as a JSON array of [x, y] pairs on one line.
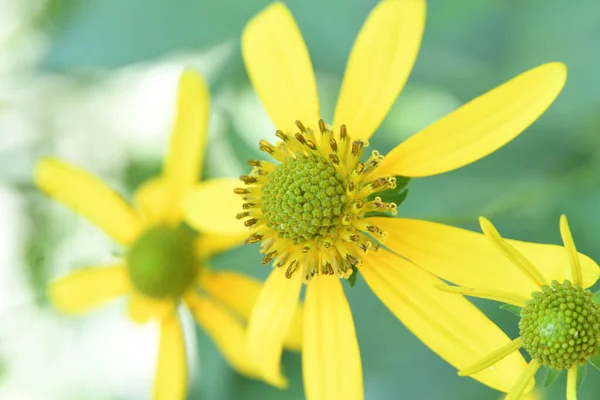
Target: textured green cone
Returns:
[[560, 326]]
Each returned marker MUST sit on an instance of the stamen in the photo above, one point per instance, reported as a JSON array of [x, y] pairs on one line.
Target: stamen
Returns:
[[526, 377], [268, 257], [242, 215], [569, 243], [322, 126], [240, 191], [490, 294], [492, 358], [300, 126], [266, 147], [248, 180], [572, 383], [282, 135], [343, 132], [511, 253], [250, 222], [254, 238]]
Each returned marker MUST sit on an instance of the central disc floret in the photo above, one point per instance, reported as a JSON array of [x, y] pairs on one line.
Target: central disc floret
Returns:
[[162, 262], [560, 326], [303, 199]]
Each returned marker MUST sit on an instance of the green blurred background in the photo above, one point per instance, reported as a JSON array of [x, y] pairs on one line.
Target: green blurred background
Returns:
[[93, 82]]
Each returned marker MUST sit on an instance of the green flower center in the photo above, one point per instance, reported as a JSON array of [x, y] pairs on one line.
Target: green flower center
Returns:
[[162, 262], [560, 326], [303, 198]]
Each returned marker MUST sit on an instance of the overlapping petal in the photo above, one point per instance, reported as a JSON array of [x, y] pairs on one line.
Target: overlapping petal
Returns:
[[171, 371], [142, 308], [447, 323], [379, 65], [183, 163], [269, 323], [469, 259], [279, 67], [479, 127], [239, 293], [211, 207], [331, 363], [88, 196], [153, 200], [209, 244], [88, 288]]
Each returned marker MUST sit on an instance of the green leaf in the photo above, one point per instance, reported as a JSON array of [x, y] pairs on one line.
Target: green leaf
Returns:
[[396, 195], [595, 361], [352, 279], [581, 375], [550, 375], [597, 297], [513, 309], [401, 183]]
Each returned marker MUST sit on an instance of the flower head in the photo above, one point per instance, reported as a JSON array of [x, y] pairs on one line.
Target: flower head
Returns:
[[165, 261], [559, 324], [315, 206]]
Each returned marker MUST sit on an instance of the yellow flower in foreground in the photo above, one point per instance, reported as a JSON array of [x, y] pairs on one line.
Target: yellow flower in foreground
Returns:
[[559, 322], [313, 209], [164, 264]]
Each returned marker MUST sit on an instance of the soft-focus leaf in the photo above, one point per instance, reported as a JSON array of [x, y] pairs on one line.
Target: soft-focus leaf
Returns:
[[513, 309], [549, 377]]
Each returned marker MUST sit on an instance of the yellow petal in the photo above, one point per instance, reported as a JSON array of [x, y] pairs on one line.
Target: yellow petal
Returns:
[[279, 67], [447, 323], [88, 196], [88, 288], [153, 200], [184, 161], [479, 127], [331, 364], [379, 64], [171, 371], [209, 244], [142, 308], [226, 331], [239, 293], [269, 323], [211, 207], [469, 259]]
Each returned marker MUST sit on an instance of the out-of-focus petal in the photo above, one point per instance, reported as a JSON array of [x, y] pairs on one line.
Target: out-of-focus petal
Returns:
[[171, 371]]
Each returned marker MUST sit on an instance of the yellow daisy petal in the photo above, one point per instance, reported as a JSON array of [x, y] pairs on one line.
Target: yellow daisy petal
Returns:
[[479, 127], [469, 259], [88, 288], [269, 323], [171, 371], [331, 364], [448, 324], [211, 206], [226, 331], [89, 197], [239, 293], [279, 67], [183, 163], [141, 308], [379, 65], [209, 244], [153, 200]]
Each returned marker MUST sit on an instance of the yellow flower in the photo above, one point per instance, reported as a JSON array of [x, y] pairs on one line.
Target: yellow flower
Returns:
[[165, 263], [559, 320], [313, 210]]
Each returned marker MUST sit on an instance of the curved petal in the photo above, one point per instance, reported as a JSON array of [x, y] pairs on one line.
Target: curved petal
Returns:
[[171, 371], [211, 206], [183, 163], [279, 67], [239, 293], [88, 196], [153, 200], [89, 288], [448, 324], [142, 308], [226, 331], [469, 259], [379, 65], [331, 364], [209, 244], [480, 127], [269, 323]]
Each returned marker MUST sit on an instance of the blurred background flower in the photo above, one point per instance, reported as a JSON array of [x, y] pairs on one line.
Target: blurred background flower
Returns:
[[94, 83]]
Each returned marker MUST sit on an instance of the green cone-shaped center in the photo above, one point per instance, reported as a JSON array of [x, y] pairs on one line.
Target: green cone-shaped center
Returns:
[[560, 326], [162, 262], [303, 198]]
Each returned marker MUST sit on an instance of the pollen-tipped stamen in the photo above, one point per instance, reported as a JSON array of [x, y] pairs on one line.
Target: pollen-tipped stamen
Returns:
[[521, 383], [492, 358], [490, 294], [512, 253], [569, 244]]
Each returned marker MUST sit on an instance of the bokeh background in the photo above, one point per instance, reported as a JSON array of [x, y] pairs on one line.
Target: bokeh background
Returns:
[[93, 82]]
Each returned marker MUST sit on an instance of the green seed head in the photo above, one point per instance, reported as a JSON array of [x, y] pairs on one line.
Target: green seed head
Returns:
[[560, 326], [303, 199], [162, 262]]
